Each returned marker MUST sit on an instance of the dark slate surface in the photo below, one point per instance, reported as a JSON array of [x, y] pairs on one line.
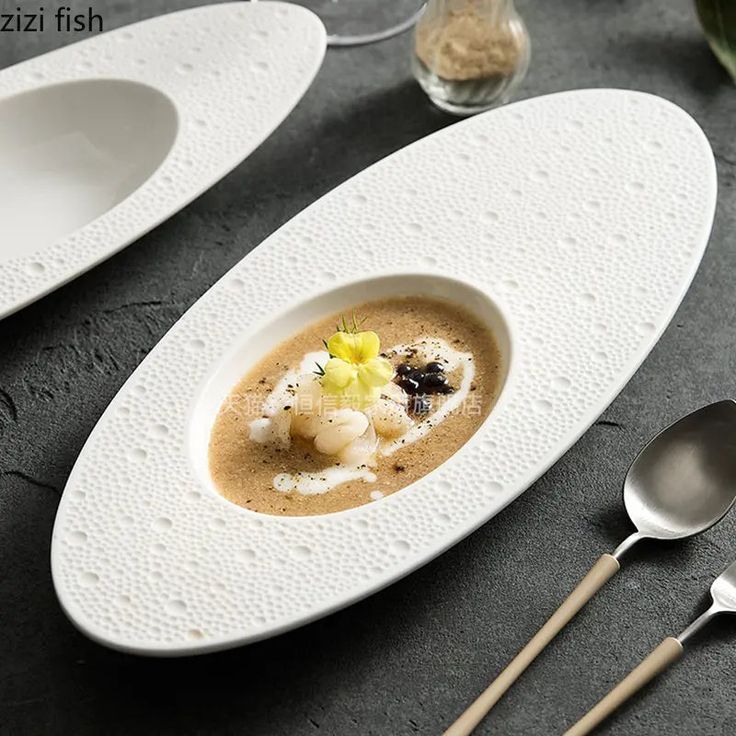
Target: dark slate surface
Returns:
[[407, 660]]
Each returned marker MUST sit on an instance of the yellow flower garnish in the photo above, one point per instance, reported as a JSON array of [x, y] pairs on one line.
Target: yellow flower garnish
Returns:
[[355, 373], [354, 347]]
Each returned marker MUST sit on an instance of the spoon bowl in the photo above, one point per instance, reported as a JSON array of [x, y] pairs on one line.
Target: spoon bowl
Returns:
[[723, 590], [684, 480], [723, 593]]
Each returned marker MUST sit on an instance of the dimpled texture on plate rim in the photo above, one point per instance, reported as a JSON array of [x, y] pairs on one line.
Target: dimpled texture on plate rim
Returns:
[[233, 72], [585, 213]]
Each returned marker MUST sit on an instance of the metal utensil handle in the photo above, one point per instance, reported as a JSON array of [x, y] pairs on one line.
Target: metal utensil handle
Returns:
[[603, 570], [669, 651]]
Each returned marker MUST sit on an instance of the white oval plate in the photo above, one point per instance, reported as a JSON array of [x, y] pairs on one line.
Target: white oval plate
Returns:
[[102, 140], [582, 215]]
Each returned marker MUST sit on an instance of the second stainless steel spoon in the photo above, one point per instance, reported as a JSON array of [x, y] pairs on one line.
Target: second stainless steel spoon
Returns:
[[680, 484], [723, 593]]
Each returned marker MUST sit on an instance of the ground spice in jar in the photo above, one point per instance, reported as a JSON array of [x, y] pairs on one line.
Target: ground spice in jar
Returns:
[[464, 45]]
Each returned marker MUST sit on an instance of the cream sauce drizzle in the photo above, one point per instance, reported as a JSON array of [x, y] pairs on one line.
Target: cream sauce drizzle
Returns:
[[281, 393], [434, 348], [311, 484]]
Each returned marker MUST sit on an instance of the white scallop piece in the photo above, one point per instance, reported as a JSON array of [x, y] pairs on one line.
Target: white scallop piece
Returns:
[[102, 140], [635, 251]]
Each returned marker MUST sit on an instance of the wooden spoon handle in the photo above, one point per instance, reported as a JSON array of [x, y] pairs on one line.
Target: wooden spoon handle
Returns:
[[669, 651], [603, 570]]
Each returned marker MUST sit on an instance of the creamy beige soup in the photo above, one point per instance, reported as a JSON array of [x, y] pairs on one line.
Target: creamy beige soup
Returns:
[[258, 459]]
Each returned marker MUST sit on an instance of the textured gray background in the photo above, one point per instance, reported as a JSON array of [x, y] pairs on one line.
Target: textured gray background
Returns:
[[407, 660]]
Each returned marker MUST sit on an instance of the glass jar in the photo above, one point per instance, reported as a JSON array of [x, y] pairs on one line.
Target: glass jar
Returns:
[[469, 55]]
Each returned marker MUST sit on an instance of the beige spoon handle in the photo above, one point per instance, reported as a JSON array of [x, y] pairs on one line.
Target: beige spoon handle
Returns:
[[603, 570], [669, 651]]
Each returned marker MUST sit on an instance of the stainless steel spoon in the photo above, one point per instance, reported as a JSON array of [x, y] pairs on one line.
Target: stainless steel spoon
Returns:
[[723, 593], [680, 484]]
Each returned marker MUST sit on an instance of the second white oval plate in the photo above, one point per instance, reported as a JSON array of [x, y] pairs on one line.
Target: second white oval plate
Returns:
[[582, 215], [102, 140]]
